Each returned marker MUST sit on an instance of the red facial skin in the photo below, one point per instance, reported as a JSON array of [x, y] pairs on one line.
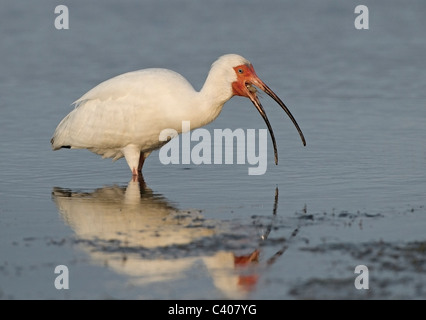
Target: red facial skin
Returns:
[[245, 75]]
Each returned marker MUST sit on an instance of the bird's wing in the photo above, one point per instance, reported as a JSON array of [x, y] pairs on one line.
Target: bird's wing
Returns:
[[141, 85], [130, 108]]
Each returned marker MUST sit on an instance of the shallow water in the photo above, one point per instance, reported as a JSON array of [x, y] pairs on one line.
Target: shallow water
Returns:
[[355, 195]]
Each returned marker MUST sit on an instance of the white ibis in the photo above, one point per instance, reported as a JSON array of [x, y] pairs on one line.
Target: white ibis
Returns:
[[124, 116]]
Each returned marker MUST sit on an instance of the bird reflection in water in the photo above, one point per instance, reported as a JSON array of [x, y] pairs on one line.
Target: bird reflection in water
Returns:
[[140, 234]]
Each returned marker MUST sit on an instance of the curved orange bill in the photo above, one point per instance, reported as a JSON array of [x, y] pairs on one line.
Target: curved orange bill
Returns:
[[251, 94]]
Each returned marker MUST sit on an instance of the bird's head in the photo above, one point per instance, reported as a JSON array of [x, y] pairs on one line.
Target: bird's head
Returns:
[[244, 83]]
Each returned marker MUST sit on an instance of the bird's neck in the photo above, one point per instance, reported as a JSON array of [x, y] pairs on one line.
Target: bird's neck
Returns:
[[211, 98]]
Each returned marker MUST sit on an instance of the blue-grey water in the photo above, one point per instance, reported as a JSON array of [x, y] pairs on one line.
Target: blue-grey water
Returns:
[[355, 195]]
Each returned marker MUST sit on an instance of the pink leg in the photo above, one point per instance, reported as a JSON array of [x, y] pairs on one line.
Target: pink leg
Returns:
[[138, 173], [141, 161]]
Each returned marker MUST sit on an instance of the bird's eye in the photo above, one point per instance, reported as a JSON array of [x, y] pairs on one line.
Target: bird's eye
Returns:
[[240, 71]]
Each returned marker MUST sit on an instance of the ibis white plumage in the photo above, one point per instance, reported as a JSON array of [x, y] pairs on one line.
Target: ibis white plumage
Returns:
[[124, 116]]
